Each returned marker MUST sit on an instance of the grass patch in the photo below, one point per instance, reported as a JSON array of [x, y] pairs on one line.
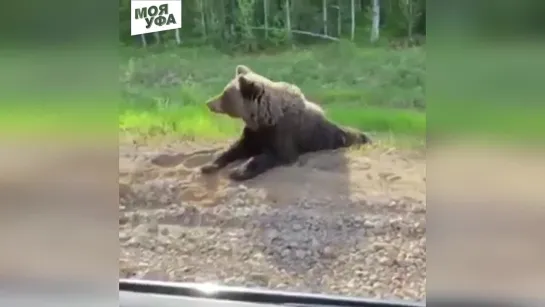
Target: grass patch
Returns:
[[372, 89], [185, 122], [196, 121], [327, 74]]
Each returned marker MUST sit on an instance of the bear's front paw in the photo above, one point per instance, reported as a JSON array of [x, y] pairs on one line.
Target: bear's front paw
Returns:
[[210, 168], [240, 174]]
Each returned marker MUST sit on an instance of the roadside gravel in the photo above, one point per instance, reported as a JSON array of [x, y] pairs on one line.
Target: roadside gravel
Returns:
[[338, 223]]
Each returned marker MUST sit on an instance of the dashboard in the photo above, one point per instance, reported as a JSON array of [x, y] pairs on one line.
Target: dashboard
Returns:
[[140, 293]]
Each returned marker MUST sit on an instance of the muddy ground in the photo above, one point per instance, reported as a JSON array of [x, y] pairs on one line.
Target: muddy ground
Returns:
[[343, 222]]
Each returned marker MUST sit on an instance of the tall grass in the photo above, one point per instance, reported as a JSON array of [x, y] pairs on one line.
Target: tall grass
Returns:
[[372, 89]]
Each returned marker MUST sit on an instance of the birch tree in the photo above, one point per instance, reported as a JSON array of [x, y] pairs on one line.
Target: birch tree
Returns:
[[203, 20], [353, 19], [324, 16], [144, 41], [177, 36], [375, 32], [288, 17], [266, 17], [339, 22], [411, 13]]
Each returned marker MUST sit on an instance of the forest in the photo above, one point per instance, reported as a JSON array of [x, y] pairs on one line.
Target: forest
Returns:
[[252, 25]]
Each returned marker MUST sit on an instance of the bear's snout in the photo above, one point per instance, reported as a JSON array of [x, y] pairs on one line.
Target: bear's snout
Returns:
[[214, 105]]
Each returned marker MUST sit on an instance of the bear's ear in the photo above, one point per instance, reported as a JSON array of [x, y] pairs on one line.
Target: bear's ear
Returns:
[[248, 88], [242, 69]]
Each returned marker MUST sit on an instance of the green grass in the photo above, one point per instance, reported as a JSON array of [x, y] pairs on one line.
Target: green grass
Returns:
[[195, 121], [373, 89]]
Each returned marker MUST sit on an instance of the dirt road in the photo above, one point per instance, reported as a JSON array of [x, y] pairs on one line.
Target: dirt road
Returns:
[[344, 222]]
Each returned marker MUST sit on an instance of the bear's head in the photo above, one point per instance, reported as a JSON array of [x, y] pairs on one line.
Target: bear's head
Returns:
[[235, 99]]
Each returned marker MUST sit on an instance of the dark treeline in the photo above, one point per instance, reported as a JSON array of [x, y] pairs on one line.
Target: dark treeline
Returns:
[[251, 25]]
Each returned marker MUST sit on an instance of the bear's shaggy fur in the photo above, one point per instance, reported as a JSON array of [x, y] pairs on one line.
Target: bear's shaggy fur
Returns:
[[280, 125]]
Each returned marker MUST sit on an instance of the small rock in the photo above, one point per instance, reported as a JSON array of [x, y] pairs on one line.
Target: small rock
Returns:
[[124, 236], [165, 231], [123, 220], [296, 227], [238, 202], [361, 272], [285, 252], [164, 240], [234, 281], [385, 261], [258, 256], [293, 244], [164, 199], [180, 211], [300, 254], [144, 229], [259, 278], [140, 241], [305, 204], [189, 247], [225, 248], [272, 234], [402, 262], [369, 224], [328, 252]]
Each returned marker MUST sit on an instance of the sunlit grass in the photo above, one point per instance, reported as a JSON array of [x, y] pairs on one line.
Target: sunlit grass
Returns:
[[195, 121], [376, 90]]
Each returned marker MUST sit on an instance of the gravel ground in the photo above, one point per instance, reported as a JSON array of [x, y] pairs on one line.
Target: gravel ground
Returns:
[[341, 222]]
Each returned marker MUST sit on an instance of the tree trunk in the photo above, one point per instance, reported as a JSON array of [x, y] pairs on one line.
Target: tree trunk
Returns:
[[324, 9], [266, 17], [144, 41], [375, 32], [339, 23], [177, 35], [288, 17], [410, 25], [203, 20], [353, 17]]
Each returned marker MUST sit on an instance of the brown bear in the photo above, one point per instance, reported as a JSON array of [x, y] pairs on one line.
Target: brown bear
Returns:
[[280, 124]]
